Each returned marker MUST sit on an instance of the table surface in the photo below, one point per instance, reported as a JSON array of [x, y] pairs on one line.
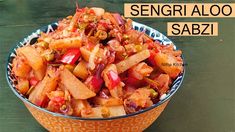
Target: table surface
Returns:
[[204, 103]]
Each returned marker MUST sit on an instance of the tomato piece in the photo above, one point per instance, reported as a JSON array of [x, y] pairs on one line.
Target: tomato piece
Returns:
[[42, 103], [131, 81], [39, 103], [33, 81], [71, 56], [58, 100], [92, 12], [56, 103]]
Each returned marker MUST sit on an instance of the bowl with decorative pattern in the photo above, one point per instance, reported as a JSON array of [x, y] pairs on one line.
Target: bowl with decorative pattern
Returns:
[[137, 121]]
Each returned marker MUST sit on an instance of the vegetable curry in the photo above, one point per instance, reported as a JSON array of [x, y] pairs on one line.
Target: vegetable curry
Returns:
[[95, 65]]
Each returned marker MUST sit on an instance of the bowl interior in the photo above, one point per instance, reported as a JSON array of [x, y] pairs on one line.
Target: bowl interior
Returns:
[[32, 38]]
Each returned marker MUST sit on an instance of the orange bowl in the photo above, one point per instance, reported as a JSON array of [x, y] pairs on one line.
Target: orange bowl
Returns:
[[134, 123], [57, 122]]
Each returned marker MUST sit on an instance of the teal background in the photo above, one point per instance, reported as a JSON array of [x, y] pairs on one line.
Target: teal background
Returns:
[[204, 103]]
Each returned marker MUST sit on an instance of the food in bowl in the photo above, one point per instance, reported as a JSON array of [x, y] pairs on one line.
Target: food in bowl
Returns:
[[95, 65]]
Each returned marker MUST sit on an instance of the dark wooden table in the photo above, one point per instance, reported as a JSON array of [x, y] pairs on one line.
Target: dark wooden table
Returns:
[[205, 102]]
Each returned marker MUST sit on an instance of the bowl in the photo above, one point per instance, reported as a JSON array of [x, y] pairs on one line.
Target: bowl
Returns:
[[57, 122]]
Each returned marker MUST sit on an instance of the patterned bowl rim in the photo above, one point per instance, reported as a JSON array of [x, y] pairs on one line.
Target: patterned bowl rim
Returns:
[[176, 84]]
